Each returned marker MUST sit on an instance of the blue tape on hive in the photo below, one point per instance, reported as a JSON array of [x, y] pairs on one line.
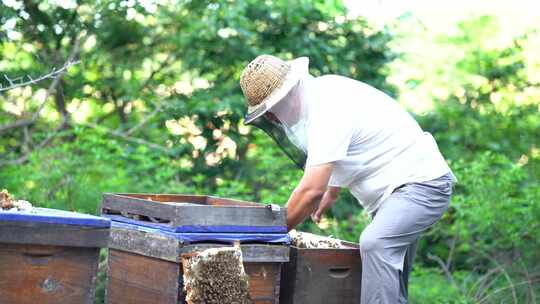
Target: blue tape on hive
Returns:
[[197, 237], [199, 228], [53, 216]]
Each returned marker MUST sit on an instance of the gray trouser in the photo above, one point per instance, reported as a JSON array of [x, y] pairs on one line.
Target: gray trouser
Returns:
[[388, 243]]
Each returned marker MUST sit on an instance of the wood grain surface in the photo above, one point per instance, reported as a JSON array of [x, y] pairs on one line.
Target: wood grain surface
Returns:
[[195, 199], [322, 276], [264, 279], [136, 279], [53, 234], [207, 211], [47, 274]]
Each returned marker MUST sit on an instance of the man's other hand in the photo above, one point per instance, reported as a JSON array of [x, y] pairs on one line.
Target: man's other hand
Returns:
[[328, 200]]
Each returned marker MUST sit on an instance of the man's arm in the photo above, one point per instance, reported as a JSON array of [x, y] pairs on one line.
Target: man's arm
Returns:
[[329, 199], [306, 197]]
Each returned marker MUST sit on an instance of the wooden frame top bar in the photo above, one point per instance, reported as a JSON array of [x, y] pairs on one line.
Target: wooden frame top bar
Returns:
[[179, 210]]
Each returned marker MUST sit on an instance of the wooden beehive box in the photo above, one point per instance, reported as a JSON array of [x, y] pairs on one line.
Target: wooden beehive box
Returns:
[[151, 231], [50, 256], [144, 266], [322, 276], [196, 213]]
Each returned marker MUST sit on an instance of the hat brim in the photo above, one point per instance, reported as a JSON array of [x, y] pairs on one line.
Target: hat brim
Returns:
[[299, 68]]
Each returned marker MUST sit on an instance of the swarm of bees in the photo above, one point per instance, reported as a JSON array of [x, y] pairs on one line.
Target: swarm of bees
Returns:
[[7, 203], [216, 275], [310, 241]]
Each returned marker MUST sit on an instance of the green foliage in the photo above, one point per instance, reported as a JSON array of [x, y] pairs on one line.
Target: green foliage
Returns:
[[185, 60], [429, 285], [490, 228], [155, 106], [490, 232], [508, 201]]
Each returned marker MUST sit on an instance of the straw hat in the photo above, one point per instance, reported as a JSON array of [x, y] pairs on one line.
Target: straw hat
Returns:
[[267, 79]]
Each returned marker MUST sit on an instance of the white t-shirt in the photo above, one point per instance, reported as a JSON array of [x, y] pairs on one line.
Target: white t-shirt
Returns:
[[375, 144]]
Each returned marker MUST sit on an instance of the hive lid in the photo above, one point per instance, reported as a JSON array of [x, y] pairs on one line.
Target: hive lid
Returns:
[[53, 216], [195, 213]]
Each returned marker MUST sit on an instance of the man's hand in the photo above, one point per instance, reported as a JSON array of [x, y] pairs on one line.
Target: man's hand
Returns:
[[306, 197], [329, 199]]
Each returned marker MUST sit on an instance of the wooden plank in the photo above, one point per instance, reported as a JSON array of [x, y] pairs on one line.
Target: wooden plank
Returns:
[[251, 253], [144, 243], [195, 199], [111, 202], [221, 213], [225, 215], [168, 198], [136, 279], [264, 282], [53, 234], [322, 276], [170, 249], [218, 201], [47, 274]]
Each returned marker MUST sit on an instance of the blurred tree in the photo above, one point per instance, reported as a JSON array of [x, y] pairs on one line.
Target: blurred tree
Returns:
[[488, 128], [155, 106], [162, 77]]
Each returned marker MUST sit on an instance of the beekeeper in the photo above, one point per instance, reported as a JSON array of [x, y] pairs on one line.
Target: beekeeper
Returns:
[[347, 134]]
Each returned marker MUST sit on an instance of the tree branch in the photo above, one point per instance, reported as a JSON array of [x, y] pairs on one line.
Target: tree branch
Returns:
[[127, 137], [17, 124], [145, 120], [42, 144], [532, 293], [509, 286], [504, 272], [56, 80], [451, 253], [445, 269], [20, 81]]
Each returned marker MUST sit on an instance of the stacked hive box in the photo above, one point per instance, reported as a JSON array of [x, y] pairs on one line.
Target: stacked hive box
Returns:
[[322, 275], [151, 232], [50, 256]]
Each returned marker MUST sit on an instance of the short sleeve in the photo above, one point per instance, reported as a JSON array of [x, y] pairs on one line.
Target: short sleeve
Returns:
[[334, 181], [330, 132]]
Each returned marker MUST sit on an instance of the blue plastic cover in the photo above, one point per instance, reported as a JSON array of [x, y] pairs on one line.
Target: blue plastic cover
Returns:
[[200, 229], [53, 216], [189, 238]]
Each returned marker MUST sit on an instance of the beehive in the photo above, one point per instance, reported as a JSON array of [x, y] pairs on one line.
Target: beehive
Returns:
[[50, 256], [322, 271], [147, 242]]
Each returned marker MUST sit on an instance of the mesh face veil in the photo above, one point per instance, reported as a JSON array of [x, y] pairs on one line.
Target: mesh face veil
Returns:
[[286, 123]]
